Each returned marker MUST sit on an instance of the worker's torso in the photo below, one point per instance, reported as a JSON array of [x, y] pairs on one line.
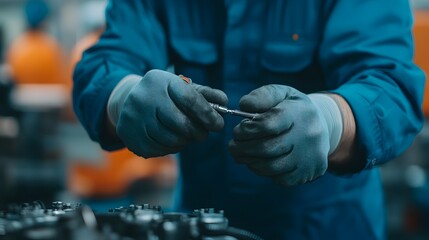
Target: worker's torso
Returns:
[[240, 45]]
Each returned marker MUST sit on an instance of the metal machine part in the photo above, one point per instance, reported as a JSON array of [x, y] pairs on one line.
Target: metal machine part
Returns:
[[136, 222]]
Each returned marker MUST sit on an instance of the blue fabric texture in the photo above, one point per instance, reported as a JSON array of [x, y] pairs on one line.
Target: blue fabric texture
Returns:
[[360, 49]]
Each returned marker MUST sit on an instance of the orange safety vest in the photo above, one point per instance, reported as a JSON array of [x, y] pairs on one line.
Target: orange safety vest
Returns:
[[37, 58]]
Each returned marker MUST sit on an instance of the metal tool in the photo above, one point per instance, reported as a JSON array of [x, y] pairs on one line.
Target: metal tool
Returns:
[[223, 109]]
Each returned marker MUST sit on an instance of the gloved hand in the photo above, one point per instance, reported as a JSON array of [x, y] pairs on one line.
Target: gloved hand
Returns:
[[159, 113], [291, 137]]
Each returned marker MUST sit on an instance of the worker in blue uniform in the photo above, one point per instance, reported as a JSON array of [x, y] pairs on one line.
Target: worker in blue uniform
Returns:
[[332, 82]]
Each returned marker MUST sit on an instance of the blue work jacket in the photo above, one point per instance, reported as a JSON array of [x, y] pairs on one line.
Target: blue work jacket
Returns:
[[359, 49]]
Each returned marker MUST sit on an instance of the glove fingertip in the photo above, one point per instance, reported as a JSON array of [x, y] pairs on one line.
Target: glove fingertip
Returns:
[[222, 98], [248, 103]]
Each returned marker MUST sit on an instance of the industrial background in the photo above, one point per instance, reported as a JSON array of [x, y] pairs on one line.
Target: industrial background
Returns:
[[46, 155]]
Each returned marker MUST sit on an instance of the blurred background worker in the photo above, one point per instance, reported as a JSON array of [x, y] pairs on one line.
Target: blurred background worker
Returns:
[[335, 95], [36, 57], [38, 67]]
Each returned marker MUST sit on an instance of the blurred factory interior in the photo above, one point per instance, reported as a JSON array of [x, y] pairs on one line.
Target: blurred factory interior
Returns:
[[46, 155]]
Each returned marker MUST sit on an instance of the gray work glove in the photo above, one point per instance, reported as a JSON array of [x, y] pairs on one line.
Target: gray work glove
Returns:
[[159, 113], [291, 138]]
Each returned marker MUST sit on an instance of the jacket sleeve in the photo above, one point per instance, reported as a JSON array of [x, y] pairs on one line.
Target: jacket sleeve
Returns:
[[367, 57], [133, 43]]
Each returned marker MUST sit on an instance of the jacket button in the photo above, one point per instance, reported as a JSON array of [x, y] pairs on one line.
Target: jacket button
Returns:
[[295, 36]]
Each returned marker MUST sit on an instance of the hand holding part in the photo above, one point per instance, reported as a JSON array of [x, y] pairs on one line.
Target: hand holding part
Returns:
[[291, 140], [158, 114], [223, 109]]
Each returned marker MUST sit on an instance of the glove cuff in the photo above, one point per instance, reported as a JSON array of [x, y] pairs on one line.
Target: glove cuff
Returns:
[[118, 96], [332, 115]]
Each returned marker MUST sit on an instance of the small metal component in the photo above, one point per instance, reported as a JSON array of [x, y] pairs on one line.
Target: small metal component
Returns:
[[223, 109]]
